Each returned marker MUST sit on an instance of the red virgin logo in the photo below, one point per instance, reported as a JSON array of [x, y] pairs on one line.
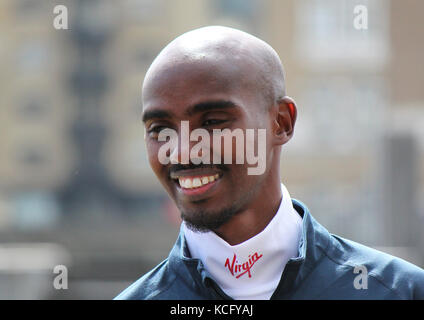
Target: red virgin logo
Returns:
[[237, 269]]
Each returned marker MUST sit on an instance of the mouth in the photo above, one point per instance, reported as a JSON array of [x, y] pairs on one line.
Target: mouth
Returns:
[[196, 185], [196, 182]]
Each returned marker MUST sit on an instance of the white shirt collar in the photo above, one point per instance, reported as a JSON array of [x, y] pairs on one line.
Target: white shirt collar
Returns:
[[253, 268]]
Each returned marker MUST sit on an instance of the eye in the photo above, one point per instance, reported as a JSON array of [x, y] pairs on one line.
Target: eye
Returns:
[[211, 122], [154, 131]]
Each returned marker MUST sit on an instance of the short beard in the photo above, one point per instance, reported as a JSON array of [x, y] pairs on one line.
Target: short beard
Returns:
[[202, 221], [205, 221]]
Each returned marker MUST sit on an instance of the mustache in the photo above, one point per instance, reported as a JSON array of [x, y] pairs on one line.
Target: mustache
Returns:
[[175, 168]]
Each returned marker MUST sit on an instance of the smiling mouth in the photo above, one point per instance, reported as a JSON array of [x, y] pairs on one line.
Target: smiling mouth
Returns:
[[196, 182], [197, 186]]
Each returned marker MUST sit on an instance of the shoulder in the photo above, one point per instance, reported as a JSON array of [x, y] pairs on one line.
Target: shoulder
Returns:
[[153, 285], [397, 277]]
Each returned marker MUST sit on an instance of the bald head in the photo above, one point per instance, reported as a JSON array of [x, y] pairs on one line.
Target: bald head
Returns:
[[227, 56]]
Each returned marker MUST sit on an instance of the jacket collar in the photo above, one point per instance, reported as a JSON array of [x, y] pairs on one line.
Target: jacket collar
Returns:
[[313, 243]]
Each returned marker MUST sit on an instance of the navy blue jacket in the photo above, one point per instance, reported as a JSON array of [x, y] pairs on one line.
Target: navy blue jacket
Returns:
[[328, 267]]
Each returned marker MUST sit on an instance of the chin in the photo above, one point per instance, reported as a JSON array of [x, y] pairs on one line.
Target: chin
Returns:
[[204, 220]]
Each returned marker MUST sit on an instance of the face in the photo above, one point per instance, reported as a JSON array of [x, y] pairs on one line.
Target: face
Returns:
[[208, 97]]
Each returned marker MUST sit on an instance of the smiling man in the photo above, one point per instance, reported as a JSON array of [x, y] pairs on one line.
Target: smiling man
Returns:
[[242, 236]]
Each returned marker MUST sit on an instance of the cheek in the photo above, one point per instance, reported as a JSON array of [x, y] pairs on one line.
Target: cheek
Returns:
[[229, 147], [152, 155]]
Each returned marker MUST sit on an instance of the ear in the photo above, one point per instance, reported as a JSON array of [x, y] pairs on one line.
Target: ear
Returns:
[[285, 119]]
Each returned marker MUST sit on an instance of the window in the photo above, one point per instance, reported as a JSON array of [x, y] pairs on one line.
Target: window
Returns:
[[32, 107], [340, 114], [325, 35]]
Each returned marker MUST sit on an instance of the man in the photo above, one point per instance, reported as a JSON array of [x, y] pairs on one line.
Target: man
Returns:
[[242, 236]]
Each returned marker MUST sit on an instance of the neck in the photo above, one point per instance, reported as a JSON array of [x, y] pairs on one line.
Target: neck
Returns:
[[252, 269], [251, 221]]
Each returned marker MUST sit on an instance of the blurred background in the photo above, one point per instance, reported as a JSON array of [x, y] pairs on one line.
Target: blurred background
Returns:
[[75, 185]]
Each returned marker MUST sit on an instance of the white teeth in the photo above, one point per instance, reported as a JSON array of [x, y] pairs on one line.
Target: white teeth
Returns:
[[182, 183], [196, 182], [189, 183]]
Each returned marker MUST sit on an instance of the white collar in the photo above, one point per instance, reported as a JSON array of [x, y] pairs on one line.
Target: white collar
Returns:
[[253, 268]]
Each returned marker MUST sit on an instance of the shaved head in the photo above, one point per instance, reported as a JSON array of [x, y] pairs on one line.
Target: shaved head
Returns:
[[226, 54]]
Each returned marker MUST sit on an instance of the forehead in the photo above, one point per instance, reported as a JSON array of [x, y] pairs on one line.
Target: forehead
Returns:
[[181, 84]]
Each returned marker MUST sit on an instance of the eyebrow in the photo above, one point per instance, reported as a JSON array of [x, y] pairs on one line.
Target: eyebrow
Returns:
[[156, 114], [210, 105], [196, 108]]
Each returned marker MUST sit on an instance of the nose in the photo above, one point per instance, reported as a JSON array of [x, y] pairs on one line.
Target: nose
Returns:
[[188, 149], [180, 149], [180, 152]]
